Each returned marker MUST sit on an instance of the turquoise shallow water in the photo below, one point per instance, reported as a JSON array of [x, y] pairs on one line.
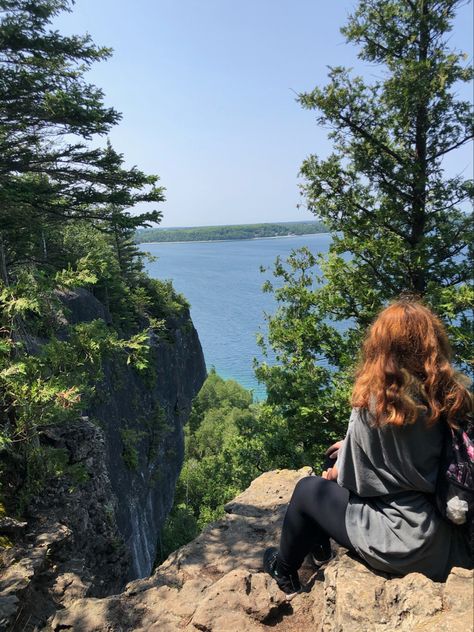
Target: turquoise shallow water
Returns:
[[222, 281]]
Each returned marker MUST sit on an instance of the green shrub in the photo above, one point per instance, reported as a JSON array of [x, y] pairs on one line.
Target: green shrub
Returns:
[[130, 441]]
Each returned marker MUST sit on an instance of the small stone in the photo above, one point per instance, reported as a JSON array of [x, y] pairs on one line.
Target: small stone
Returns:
[[11, 526]]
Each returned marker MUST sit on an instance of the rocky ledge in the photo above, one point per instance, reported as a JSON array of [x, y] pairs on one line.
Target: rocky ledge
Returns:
[[216, 584]]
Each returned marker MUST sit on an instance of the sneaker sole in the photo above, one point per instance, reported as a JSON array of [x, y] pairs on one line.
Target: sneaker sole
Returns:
[[322, 563]]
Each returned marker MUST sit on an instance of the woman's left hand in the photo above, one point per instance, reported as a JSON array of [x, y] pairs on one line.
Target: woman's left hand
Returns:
[[331, 473]]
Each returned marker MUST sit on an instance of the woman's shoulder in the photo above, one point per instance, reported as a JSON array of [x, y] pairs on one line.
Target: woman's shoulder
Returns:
[[364, 428], [362, 417], [360, 414], [368, 418]]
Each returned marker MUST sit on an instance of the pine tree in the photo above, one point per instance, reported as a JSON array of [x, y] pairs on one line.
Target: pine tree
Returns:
[[399, 222], [49, 171]]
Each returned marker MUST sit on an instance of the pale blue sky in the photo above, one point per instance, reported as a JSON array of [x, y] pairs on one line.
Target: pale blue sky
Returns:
[[207, 91]]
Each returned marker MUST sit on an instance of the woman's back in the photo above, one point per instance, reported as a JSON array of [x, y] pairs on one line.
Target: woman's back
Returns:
[[387, 459], [383, 505], [391, 519]]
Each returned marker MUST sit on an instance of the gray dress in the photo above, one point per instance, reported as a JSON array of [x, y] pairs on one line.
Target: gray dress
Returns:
[[390, 519]]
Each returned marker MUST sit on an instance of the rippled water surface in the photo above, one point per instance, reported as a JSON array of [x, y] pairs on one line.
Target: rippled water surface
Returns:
[[222, 281]]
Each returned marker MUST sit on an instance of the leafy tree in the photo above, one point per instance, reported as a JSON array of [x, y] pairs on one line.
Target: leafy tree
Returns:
[[217, 393], [219, 462], [399, 221]]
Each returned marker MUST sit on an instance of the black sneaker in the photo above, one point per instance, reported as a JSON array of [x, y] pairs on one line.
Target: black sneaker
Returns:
[[322, 555], [289, 584]]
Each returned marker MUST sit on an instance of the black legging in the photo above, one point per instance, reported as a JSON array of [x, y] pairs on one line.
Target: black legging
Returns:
[[316, 512]]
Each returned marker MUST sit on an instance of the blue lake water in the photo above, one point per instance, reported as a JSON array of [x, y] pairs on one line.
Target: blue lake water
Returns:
[[223, 283]]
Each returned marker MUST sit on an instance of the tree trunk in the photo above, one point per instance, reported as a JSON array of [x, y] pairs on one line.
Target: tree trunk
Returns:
[[418, 274], [3, 262]]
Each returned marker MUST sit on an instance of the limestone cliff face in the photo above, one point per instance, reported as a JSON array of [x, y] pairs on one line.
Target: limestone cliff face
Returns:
[[216, 584], [89, 534], [142, 420]]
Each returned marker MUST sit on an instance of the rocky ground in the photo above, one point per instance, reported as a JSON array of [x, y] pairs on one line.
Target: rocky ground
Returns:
[[69, 545], [216, 584]]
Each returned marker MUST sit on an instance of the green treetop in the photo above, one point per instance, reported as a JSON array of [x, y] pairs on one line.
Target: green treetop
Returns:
[[48, 114], [384, 187], [400, 222]]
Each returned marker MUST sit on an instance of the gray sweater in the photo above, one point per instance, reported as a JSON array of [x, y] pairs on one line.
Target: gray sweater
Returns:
[[391, 520]]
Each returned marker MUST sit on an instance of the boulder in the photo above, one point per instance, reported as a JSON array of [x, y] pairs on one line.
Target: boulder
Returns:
[[11, 526], [216, 584], [357, 599]]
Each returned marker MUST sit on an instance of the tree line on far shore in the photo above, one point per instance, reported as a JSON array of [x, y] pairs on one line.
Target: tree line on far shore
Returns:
[[232, 232]]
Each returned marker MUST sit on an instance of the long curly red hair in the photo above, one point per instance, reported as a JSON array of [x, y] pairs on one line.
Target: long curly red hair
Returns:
[[406, 368]]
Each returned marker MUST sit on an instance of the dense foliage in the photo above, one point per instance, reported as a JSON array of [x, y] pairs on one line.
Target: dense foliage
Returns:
[[229, 441], [211, 475], [399, 221], [219, 460], [226, 233], [63, 224]]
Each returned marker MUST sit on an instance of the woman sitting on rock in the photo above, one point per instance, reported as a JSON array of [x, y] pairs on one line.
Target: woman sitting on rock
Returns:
[[382, 507]]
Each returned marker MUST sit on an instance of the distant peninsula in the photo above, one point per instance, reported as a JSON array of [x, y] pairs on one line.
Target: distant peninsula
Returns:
[[231, 232]]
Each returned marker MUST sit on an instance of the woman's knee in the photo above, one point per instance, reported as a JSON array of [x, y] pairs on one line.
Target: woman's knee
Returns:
[[313, 489], [307, 486]]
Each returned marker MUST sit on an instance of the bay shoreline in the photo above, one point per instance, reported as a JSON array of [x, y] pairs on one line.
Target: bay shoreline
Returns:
[[210, 241]]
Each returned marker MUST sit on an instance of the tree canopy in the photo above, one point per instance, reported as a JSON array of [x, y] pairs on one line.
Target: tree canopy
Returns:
[[49, 114], [400, 221]]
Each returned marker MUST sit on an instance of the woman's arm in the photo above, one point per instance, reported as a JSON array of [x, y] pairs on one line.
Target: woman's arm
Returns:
[[333, 450]]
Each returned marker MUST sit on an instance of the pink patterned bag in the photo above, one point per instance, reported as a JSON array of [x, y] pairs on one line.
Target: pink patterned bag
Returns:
[[455, 485]]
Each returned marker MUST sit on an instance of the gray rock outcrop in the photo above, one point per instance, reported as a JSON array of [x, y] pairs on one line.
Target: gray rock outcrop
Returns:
[[90, 532], [142, 418], [70, 546], [216, 584]]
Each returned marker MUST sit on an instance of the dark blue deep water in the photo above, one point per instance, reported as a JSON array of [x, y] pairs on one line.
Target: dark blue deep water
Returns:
[[222, 282]]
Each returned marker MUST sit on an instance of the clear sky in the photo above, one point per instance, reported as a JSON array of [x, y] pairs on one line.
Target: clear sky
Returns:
[[207, 89]]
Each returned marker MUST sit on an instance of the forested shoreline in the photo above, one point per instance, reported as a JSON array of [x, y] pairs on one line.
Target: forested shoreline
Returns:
[[229, 232]]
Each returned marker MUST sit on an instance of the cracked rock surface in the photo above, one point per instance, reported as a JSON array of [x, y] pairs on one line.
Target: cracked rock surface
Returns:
[[216, 584]]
